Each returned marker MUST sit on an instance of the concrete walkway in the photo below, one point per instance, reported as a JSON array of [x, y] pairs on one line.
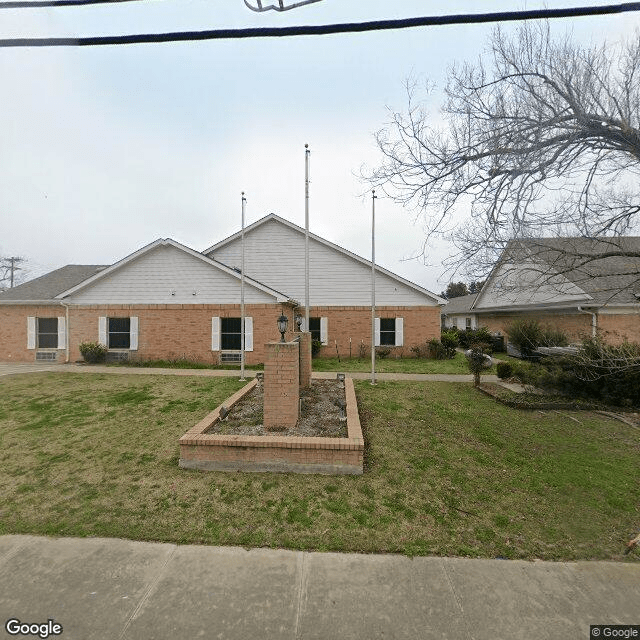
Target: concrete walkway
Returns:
[[8, 368], [107, 589]]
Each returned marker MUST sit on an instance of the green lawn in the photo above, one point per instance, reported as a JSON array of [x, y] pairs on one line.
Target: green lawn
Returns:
[[393, 365], [447, 472]]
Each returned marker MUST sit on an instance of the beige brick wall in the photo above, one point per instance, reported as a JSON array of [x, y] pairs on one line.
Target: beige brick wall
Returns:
[[614, 328], [420, 325], [175, 331]]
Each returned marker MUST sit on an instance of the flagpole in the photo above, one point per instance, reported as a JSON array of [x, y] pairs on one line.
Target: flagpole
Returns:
[[373, 286], [306, 236], [242, 345]]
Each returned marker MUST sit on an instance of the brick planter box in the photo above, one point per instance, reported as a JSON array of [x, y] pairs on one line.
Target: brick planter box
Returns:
[[336, 456]]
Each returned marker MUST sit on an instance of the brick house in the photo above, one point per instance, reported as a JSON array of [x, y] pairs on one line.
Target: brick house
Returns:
[[168, 301], [583, 286]]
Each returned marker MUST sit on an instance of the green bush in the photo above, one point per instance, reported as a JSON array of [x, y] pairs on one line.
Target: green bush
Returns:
[[438, 350], [93, 352], [449, 340], [476, 359], [528, 335], [504, 370], [382, 352], [316, 345], [469, 337]]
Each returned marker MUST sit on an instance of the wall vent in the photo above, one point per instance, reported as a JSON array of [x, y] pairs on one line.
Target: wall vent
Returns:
[[230, 357], [46, 356]]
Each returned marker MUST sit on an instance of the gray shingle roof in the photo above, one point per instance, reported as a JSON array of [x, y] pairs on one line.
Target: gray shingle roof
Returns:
[[608, 269], [48, 286], [461, 304]]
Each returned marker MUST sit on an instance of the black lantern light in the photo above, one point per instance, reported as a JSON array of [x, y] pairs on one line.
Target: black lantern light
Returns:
[[283, 321]]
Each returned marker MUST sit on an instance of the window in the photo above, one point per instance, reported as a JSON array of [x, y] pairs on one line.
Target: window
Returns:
[[226, 334], [47, 333], [231, 334], [119, 333], [389, 332], [468, 321], [314, 328]]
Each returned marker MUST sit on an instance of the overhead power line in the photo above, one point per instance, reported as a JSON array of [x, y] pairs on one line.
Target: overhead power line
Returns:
[[309, 30]]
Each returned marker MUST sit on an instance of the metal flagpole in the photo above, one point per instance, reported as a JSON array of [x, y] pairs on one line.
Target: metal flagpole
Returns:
[[306, 237], [242, 345], [373, 286]]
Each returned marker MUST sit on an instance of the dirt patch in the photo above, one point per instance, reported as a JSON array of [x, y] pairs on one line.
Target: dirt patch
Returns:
[[321, 414]]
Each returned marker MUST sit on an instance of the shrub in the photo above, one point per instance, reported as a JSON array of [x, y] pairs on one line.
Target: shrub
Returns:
[[438, 351], [528, 335], [449, 340], [93, 352], [504, 370], [316, 345], [419, 351], [382, 352], [362, 350], [476, 359], [469, 337]]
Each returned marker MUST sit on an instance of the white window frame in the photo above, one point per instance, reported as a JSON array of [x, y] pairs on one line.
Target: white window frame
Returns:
[[32, 334], [398, 330], [216, 332], [134, 330]]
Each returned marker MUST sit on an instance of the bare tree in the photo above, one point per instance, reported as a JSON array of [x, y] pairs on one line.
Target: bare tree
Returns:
[[541, 137]]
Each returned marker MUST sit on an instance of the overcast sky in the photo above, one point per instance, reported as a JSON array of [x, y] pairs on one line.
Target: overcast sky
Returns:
[[105, 149]]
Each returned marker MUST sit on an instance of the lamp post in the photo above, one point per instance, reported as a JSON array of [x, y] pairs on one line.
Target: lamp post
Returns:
[[283, 321]]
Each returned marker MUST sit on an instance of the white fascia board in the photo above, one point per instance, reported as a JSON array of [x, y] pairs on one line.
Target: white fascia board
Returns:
[[30, 303], [537, 307], [280, 297], [272, 216]]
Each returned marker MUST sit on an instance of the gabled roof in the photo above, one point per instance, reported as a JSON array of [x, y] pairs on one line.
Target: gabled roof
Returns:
[[48, 286], [280, 297], [326, 243], [607, 270], [459, 304]]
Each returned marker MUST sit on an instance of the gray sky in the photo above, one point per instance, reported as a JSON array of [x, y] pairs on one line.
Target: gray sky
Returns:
[[105, 149]]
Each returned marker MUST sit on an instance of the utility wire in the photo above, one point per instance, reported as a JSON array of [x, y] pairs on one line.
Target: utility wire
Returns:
[[308, 30], [37, 4]]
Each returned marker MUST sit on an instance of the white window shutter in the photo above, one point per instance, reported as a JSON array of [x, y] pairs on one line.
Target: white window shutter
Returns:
[[376, 332], [324, 330], [248, 334], [215, 334], [102, 330], [31, 332], [62, 333], [399, 332], [133, 333]]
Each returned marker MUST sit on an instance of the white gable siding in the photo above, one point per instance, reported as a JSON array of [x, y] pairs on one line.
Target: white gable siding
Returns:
[[274, 255], [523, 284], [167, 275]]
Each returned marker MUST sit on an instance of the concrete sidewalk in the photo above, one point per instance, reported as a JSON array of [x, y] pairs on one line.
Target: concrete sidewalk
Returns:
[[121, 590], [8, 368]]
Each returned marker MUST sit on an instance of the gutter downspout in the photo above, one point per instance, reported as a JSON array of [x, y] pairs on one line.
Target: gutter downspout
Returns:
[[67, 330], [594, 320]]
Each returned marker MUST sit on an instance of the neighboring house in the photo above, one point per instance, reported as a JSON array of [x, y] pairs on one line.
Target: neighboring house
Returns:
[[457, 313], [169, 301], [583, 286]]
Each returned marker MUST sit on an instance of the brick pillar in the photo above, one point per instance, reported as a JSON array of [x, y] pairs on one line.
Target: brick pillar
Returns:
[[281, 385], [305, 358]]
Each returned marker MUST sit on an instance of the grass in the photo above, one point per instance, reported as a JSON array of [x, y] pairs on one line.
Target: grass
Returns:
[[448, 471], [457, 365]]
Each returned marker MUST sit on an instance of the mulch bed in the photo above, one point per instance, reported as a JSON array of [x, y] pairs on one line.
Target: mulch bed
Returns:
[[320, 415]]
